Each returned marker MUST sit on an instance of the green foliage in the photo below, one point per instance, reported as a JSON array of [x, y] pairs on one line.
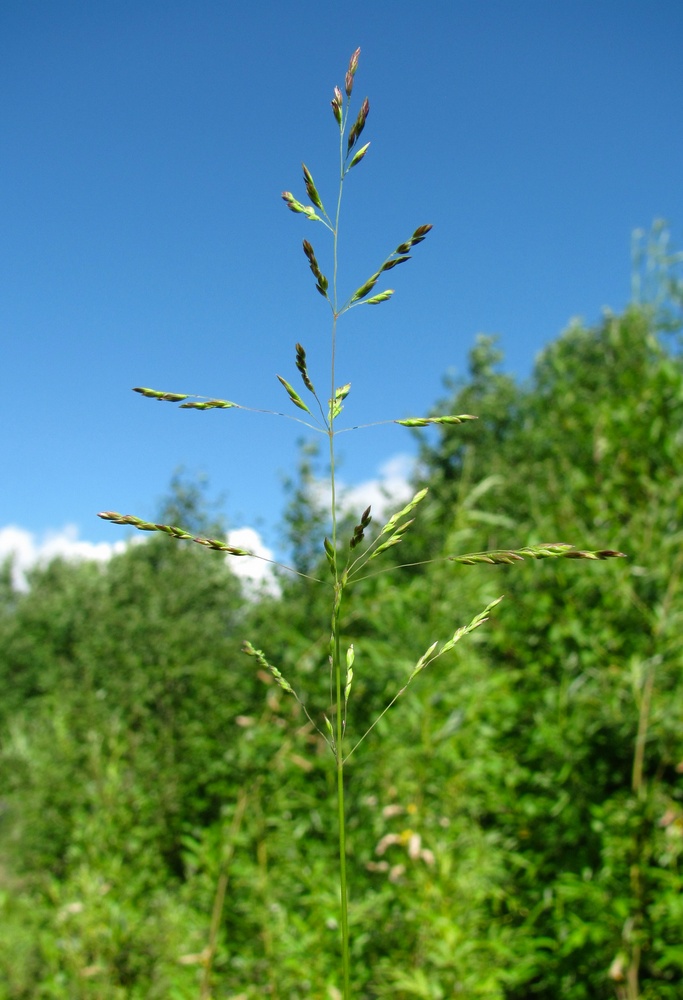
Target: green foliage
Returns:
[[515, 827], [590, 729]]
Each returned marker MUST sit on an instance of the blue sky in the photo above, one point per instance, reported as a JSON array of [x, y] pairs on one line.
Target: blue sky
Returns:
[[143, 149]]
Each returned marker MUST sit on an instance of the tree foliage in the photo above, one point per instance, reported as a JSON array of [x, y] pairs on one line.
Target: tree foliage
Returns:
[[518, 829]]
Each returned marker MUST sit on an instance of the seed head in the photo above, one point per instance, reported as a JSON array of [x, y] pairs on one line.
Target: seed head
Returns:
[[311, 189], [358, 125], [337, 102], [351, 72]]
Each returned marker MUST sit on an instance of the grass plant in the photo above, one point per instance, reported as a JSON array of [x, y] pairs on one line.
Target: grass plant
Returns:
[[347, 557]]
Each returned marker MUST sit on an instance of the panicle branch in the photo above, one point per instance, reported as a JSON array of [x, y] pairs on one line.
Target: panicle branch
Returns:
[[398, 256], [426, 421], [281, 681], [549, 550], [303, 368], [322, 282], [430, 654], [178, 397], [359, 530], [265, 665], [176, 532], [295, 206]]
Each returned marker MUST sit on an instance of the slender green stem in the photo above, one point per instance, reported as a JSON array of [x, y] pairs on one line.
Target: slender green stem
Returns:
[[335, 315], [340, 798], [219, 898], [338, 591]]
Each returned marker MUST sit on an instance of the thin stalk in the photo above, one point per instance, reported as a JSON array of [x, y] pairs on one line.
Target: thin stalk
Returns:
[[637, 783], [340, 801], [219, 898], [338, 590], [338, 748], [335, 315], [633, 989]]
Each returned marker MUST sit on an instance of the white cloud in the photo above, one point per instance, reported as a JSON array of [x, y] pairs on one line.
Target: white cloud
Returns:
[[255, 574], [389, 489], [385, 493], [27, 549]]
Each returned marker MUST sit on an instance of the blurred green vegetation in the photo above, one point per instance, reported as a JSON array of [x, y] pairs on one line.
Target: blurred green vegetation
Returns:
[[515, 822]]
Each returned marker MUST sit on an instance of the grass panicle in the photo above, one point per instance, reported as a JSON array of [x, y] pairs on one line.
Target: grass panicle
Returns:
[[360, 551]]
